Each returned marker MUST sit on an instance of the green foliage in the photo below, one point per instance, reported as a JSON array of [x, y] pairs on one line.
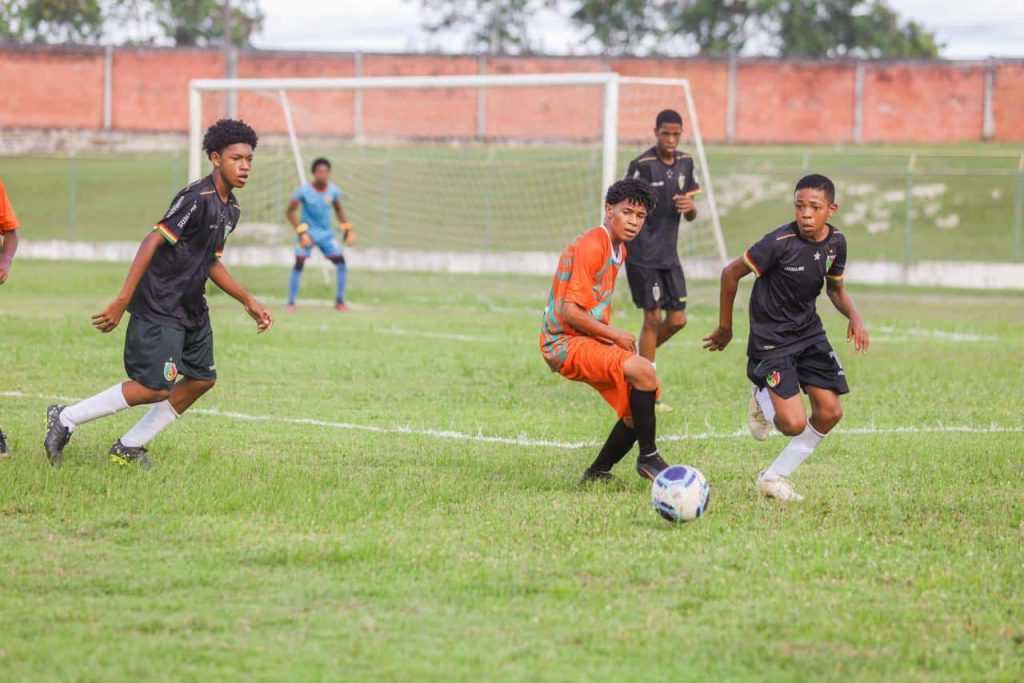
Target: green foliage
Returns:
[[201, 22], [51, 21], [784, 28]]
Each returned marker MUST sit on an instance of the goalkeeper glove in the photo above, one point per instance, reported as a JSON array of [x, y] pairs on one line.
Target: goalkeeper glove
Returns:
[[302, 230], [348, 232]]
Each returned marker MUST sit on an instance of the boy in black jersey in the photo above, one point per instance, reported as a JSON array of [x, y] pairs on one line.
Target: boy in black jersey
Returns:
[[788, 349], [655, 274], [168, 348]]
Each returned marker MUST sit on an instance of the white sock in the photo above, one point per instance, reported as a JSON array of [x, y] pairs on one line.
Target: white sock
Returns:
[[152, 423], [102, 404], [765, 402], [796, 451]]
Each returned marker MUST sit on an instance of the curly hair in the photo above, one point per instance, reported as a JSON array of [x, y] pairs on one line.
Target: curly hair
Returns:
[[227, 132], [816, 181], [634, 190]]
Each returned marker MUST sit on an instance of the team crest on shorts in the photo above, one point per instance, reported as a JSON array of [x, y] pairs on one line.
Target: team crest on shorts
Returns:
[[656, 291], [773, 379], [170, 370]]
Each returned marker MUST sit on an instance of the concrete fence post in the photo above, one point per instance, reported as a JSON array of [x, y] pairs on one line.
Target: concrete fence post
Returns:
[[858, 104], [988, 130], [730, 101], [357, 99], [108, 87], [481, 100]]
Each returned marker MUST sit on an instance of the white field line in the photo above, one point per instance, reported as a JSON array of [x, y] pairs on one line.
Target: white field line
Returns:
[[523, 440]]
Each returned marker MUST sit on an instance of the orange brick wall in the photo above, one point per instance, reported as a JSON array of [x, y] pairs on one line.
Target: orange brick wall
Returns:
[[923, 103], [51, 88], [776, 101]]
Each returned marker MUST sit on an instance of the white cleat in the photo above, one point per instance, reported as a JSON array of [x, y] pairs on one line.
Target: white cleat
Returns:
[[759, 426], [778, 488]]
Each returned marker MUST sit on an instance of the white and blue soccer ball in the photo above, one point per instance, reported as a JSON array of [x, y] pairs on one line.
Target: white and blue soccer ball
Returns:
[[680, 493]]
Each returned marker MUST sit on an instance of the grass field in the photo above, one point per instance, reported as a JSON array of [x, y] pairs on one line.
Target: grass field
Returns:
[[395, 540], [966, 201]]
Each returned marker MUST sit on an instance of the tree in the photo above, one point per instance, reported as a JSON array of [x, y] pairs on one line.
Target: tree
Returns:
[[190, 23], [51, 21], [495, 26]]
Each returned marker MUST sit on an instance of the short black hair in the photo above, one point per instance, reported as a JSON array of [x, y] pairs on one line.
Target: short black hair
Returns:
[[633, 190], [227, 132], [667, 116], [320, 161], [816, 181]]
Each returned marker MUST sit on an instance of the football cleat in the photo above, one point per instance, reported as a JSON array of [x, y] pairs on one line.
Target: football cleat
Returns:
[[759, 426], [128, 455], [57, 435], [650, 466], [777, 487], [595, 476]]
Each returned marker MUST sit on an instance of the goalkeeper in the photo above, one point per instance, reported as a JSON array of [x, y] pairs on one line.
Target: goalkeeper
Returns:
[[314, 228]]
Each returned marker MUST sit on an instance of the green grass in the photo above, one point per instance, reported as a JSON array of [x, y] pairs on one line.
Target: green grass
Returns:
[[269, 550], [967, 201]]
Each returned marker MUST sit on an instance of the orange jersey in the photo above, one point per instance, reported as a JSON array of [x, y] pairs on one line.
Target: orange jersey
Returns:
[[586, 276], [8, 221]]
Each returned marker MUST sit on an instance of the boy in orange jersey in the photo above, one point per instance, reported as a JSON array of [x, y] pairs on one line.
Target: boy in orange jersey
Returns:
[[578, 341], [9, 232]]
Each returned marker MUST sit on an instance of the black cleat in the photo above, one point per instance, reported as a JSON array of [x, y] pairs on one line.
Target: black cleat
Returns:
[[128, 455], [3, 446], [57, 435], [650, 466], [595, 476]]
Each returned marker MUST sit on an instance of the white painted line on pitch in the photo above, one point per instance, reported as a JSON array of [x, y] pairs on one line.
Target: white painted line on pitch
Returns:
[[941, 335], [523, 440]]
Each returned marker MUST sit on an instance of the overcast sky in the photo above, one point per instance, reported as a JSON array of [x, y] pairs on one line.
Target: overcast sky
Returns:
[[971, 30]]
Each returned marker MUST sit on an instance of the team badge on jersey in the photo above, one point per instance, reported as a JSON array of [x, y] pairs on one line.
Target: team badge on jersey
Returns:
[[829, 260], [681, 182], [170, 370], [773, 379]]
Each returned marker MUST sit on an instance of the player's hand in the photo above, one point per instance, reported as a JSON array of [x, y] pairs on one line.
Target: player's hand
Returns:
[[305, 240], [349, 234], [260, 314], [106, 320], [719, 339], [858, 334], [626, 341], [684, 203]]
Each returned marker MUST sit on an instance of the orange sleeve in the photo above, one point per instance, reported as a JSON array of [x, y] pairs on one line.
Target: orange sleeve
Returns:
[[586, 262], [8, 221]]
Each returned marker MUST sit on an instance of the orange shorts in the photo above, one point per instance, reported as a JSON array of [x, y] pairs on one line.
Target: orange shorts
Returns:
[[601, 366]]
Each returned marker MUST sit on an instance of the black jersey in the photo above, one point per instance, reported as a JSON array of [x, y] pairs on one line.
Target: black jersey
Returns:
[[657, 245], [196, 226], [790, 273]]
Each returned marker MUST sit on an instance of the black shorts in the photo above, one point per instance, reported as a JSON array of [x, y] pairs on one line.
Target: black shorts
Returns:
[[155, 354], [657, 287], [816, 366]]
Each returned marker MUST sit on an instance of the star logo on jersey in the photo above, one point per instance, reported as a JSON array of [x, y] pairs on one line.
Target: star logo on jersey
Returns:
[[817, 256], [773, 379]]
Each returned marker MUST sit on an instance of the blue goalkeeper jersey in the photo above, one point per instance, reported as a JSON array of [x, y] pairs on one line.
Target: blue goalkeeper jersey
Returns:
[[317, 208]]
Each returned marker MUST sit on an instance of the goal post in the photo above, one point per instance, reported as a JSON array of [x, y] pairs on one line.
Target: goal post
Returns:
[[555, 141]]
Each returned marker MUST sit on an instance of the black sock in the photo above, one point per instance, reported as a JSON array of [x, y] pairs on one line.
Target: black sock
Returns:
[[642, 405], [619, 442]]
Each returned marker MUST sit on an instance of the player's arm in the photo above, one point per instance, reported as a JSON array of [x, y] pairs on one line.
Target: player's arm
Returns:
[[7, 256], [107, 319], [301, 229], [731, 276], [841, 299], [223, 279], [347, 231], [581, 321]]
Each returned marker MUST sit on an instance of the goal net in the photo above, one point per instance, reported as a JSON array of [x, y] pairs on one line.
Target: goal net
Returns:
[[471, 173]]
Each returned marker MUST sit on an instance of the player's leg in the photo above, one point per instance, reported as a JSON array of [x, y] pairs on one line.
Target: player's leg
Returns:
[[777, 382], [4, 451], [295, 278], [650, 332], [821, 375], [674, 303], [619, 442], [151, 356], [643, 387], [199, 374], [332, 251]]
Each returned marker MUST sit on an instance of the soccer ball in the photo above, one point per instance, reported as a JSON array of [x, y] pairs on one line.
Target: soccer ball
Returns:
[[680, 493]]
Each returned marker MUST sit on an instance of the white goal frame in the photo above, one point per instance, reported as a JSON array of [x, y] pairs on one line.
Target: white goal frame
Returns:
[[609, 81]]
